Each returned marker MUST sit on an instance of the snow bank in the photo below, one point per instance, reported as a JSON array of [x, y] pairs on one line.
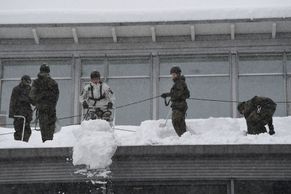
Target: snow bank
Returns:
[[92, 137], [95, 144], [64, 138], [211, 131]]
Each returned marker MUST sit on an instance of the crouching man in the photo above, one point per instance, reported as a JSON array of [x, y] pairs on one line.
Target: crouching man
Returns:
[[98, 99], [258, 112]]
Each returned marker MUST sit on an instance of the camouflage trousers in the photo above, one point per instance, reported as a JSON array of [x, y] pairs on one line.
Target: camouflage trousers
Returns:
[[47, 122], [178, 120], [18, 126], [257, 120]]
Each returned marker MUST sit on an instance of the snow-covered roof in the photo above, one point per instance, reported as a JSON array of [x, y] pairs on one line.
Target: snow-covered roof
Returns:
[[115, 11]]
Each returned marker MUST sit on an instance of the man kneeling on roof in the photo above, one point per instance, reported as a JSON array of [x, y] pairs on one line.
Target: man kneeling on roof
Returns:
[[98, 99], [258, 112]]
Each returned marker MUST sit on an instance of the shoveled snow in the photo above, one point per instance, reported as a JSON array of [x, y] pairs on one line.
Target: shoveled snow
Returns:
[[98, 11], [200, 131], [94, 142]]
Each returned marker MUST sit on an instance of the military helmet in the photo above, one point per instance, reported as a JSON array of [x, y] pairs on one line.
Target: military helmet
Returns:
[[25, 79], [44, 68], [240, 107], [176, 70], [95, 74]]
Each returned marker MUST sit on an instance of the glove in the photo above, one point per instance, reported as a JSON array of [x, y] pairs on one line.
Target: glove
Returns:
[[164, 95], [109, 105], [85, 105], [271, 132]]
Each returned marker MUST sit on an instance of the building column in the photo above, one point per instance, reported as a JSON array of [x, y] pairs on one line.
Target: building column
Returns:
[[76, 83], [1, 77], [155, 85], [234, 83], [285, 77]]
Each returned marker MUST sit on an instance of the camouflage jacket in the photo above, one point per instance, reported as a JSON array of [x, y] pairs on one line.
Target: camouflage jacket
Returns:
[[178, 94], [20, 102], [256, 102], [44, 91]]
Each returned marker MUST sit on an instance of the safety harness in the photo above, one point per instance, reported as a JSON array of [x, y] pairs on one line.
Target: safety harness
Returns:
[[102, 96]]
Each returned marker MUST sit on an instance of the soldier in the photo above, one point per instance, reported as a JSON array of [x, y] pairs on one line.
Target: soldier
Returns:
[[258, 112], [98, 98], [45, 94], [178, 95], [20, 104]]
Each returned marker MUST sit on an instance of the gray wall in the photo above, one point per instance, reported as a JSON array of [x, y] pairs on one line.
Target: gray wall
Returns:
[[215, 69]]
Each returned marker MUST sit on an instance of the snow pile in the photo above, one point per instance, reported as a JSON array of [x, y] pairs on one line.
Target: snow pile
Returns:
[[95, 140], [64, 138], [95, 144], [211, 131]]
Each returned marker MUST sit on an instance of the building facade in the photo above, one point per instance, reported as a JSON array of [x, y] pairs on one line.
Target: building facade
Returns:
[[224, 61]]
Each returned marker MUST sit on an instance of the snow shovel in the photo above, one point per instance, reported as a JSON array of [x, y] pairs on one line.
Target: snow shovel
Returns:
[[164, 124]]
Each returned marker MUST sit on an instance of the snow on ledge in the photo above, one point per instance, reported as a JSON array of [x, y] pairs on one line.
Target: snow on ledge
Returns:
[[150, 15], [209, 131]]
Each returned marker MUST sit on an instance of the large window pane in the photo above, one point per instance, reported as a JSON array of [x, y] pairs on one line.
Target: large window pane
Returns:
[[203, 88], [129, 66], [289, 64], [93, 64], [17, 68], [14, 69], [261, 64], [195, 65], [65, 102], [269, 86], [206, 87], [7, 87], [128, 91]]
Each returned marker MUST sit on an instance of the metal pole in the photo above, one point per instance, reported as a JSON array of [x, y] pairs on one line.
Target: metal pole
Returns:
[[76, 81], [155, 85], [234, 83]]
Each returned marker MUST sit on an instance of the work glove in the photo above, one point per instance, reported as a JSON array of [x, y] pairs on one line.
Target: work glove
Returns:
[[164, 95], [109, 105], [85, 105], [271, 132]]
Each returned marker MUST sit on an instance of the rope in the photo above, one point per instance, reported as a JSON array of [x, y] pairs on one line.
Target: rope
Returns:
[[137, 102], [213, 100], [123, 129], [147, 99]]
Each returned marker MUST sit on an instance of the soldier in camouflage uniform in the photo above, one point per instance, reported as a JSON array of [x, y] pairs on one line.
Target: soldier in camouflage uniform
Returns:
[[20, 104], [258, 112], [178, 95], [45, 94]]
